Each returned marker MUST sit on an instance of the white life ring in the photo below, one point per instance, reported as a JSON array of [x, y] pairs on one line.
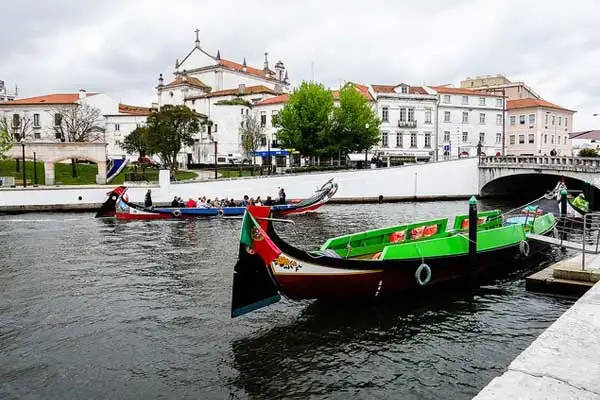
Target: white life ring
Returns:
[[177, 213], [418, 273], [524, 248]]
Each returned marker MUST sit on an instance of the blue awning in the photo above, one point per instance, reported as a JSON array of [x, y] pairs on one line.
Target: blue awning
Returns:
[[264, 153]]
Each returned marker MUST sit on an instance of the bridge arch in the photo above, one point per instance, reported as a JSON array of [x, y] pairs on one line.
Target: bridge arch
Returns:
[[52, 152]]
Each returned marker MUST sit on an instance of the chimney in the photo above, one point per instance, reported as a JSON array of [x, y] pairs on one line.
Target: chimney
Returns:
[[161, 80], [242, 88], [82, 93], [266, 66]]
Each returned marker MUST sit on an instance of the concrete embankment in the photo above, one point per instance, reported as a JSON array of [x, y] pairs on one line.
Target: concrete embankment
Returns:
[[456, 179], [564, 361]]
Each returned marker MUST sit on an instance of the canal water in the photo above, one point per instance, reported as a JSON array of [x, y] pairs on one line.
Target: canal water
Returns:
[[101, 309]]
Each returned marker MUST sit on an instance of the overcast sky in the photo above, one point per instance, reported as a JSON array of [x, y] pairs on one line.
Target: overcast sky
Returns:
[[120, 46]]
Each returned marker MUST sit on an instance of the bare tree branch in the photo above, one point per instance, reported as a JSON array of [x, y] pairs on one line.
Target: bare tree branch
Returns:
[[251, 133], [18, 127], [81, 123]]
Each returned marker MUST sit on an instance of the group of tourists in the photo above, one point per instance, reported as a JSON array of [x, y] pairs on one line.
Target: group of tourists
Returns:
[[204, 202]]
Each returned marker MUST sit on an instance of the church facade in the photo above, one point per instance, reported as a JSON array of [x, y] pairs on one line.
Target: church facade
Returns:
[[224, 92]]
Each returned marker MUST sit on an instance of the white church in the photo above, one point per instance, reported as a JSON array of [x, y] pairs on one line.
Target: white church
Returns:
[[207, 83]]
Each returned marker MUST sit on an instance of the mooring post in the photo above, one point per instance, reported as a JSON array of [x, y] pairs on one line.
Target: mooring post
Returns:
[[473, 239], [563, 213]]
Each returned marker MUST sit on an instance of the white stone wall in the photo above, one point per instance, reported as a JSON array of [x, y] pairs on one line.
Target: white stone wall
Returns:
[[118, 127]]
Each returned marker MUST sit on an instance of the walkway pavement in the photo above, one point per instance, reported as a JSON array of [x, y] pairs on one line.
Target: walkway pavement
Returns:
[[562, 363]]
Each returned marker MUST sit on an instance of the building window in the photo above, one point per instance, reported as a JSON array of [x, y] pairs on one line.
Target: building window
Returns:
[[413, 139], [482, 101], [566, 121], [16, 120], [404, 90], [552, 139], [545, 139], [384, 139], [531, 138], [513, 120], [411, 114], [428, 115], [215, 128], [446, 136], [446, 116], [465, 117], [531, 119], [263, 140], [482, 137], [512, 139], [546, 120], [553, 120], [57, 119], [465, 100], [117, 127], [498, 102], [521, 120], [275, 118], [447, 98], [241, 111], [559, 121], [428, 140], [263, 119], [521, 139], [384, 114], [498, 138], [498, 119], [171, 94], [399, 139], [37, 135], [36, 120], [482, 118], [465, 137], [565, 140], [402, 114]]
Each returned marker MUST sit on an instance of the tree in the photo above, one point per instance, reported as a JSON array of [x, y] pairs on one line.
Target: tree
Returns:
[[168, 130], [137, 142], [355, 126], [81, 123], [251, 133], [589, 152], [305, 120], [18, 128], [6, 142]]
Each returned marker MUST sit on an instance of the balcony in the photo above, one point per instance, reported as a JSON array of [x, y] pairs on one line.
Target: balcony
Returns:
[[407, 124]]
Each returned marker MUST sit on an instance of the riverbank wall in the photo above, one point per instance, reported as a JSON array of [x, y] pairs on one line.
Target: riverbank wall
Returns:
[[447, 180]]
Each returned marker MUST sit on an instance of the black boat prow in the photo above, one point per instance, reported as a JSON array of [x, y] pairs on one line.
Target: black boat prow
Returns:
[[108, 208]]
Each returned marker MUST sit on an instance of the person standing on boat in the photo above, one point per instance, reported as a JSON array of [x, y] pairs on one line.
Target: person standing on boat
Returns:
[[269, 201], [148, 200], [174, 203], [281, 196]]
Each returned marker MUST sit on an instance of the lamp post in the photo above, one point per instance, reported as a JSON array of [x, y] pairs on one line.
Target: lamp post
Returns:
[[366, 149], [214, 140], [24, 172], [35, 182], [269, 162]]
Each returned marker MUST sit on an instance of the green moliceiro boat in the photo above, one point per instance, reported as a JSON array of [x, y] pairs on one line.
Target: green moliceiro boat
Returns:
[[391, 260]]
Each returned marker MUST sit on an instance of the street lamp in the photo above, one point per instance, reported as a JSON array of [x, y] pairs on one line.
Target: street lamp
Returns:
[[214, 140], [366, 148], [24, 172]]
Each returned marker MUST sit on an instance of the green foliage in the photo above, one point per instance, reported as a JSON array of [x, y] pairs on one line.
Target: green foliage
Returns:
[[251, 134], [234, 102], [6, 142], [588, 153], [137, 142], [355, 126], [168, 130], [305, 119]]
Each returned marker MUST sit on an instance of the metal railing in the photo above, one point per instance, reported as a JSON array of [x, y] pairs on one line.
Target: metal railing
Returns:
[[545, 162]]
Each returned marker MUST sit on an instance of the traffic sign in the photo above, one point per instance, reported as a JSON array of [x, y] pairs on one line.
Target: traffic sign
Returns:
[[446, 147]]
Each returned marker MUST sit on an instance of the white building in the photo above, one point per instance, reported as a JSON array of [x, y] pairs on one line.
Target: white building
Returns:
[[467, 118], [224, 92], [36, 117], [408, 127], [6, 94], [585, 140]]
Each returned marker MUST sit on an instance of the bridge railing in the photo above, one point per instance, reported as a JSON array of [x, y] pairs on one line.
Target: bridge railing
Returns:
[[550, 162]]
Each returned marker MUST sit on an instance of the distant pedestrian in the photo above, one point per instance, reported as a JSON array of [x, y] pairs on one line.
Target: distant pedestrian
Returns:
[[281, 196], [148, 200], [553, 153]]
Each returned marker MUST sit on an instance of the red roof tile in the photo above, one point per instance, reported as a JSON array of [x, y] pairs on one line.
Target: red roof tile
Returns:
[[390, 89], [249, 70], [248, 90], [274, 100], [362, 89], [453, 90], [186, 80], [134, 110], [531, 103], [62, 98]]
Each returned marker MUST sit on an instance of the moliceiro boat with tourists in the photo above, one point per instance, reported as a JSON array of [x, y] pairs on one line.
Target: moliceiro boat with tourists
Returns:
[[393, 260], [118, 205]]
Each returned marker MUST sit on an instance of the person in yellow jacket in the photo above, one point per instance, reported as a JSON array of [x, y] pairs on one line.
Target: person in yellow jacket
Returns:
[[580, 202]]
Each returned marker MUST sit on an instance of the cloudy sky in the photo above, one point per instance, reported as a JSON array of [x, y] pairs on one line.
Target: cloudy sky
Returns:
[[120, 46]]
